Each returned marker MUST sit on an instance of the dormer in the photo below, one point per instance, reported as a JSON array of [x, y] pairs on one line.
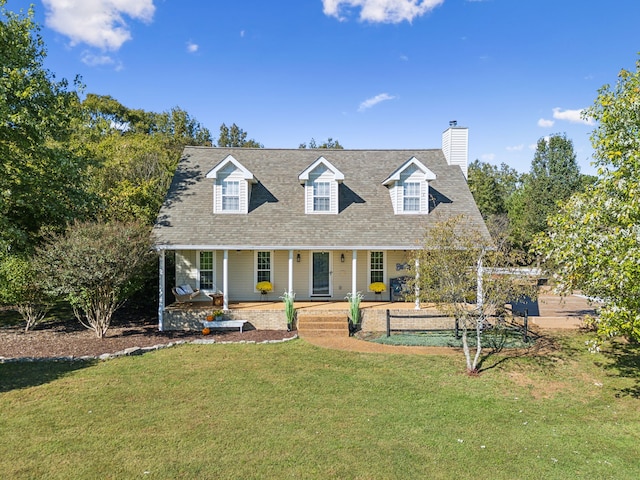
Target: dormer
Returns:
[[321, 180], [231, 186], [409, 188]]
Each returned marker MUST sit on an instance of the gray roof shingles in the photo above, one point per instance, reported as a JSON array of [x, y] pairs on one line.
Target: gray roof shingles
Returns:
[[276, 217]]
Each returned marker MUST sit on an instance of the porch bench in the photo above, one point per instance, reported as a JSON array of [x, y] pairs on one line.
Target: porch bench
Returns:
[[215, 325]]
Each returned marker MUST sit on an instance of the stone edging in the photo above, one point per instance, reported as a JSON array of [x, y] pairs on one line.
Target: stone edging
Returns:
[[133, 351]]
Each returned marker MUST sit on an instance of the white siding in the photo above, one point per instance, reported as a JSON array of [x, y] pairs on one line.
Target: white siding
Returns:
[[242, 271], [321, 174], [231, 173], [455, 146], [186, 271]]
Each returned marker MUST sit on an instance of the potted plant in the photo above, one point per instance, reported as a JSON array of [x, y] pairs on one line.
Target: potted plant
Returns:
[[354, 300], [264, 287], [377, 287], [289, 310], [216, 315]]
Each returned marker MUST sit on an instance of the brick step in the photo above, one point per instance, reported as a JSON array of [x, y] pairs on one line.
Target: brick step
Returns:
[[323, 325]]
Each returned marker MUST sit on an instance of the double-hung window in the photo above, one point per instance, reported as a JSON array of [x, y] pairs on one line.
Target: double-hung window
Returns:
[[321, 196], [376, 267], [205, 268], [263, 267], [230, 196], [411, 196]]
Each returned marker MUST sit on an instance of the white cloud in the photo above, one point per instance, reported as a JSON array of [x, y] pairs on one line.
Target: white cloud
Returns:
[[98, 23], [370, 102], [241, 33], [488, 157], [543, 122], [92, 60], [573, 116], [192, 47], [515, 148], [380, 11]]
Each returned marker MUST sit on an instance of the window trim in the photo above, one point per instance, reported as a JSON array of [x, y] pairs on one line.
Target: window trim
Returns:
[[414, 197], [326, 195], [199, 270], [270, 270], [224, 185], [370, 270]]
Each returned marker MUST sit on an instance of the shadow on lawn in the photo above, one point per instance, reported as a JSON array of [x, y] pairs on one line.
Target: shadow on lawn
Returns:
[[544, 352], [16, 375], [625, 362]]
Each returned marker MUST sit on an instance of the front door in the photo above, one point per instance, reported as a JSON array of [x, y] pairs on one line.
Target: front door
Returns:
[[320, 274]]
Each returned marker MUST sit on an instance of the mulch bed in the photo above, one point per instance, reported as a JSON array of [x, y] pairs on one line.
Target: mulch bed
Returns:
[[70, 339]]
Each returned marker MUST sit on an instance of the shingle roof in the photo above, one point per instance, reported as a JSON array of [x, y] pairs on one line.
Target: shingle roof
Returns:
[[277, 219]]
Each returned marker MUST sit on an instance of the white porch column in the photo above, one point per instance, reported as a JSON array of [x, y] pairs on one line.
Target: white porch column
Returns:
[[161, 276], [417, 307], [354, 271], [225, 280], [290, 284]]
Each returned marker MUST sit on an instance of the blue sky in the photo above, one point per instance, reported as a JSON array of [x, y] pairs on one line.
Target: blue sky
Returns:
[[370, 73]]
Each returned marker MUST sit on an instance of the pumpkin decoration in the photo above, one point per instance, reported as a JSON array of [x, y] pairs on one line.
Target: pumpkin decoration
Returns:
[[206, 331], [209, 318]]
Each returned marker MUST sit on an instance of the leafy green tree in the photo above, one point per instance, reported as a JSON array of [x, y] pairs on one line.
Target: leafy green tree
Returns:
[[454, 270], [330, 143], [492, 187], [593, 243], [42, 181], [135, 154], [21, 287], [554, 177], [234, 136], [96, 267]]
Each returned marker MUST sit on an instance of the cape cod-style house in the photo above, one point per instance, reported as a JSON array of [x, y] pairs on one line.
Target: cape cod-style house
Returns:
[[317, 222]]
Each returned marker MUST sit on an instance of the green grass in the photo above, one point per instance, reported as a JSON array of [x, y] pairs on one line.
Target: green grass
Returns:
[[492, 339], [293, 410]]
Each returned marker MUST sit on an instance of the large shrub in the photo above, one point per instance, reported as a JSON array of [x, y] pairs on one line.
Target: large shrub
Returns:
[[96, 267]]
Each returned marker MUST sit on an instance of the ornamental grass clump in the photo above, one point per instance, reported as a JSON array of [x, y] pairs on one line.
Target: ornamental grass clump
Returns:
[[289, 310], [354, 300]]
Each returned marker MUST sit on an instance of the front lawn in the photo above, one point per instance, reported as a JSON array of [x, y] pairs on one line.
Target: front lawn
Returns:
[[292, 410]]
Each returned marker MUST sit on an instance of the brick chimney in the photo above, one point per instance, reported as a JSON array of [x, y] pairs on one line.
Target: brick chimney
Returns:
[[455, 146]]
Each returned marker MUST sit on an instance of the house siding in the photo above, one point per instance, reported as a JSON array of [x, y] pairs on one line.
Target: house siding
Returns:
[[241, 287], [231, 173]]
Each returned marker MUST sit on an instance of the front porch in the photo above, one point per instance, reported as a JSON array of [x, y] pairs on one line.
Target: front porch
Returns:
[[269, 315]]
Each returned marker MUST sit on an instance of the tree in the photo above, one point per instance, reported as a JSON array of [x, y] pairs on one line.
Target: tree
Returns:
[[492, 187], [21, 286], [234, 136], [96, 266], [553, 178], [134, 155], [330, 143], [41, 178], [454, 271], [132, 175], [593, 243]]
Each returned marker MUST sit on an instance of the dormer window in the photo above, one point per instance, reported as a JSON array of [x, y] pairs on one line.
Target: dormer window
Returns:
[[411, 197], [321, 180], [409, 187], [321, 196], [230, 195], [231, 186]]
